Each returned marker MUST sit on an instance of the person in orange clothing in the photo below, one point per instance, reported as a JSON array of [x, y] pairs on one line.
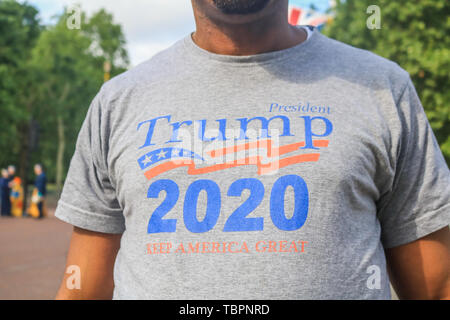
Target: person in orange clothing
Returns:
[[16, 197], [37, 207]]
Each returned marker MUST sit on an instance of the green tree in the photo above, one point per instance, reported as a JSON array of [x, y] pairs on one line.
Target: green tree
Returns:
[[62, 56], [415, 35], [19, 30], [70, 63], [108, 39], [48, 77]]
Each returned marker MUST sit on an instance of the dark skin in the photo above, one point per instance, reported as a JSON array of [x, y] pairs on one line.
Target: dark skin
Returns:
[[95, 254], [418, 270], [265, 31], [421, 269]]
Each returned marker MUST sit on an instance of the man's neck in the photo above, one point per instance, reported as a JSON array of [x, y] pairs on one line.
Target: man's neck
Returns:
[[272, 33]]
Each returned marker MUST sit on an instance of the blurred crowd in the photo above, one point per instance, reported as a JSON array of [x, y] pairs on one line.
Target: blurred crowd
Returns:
[[12, 194]]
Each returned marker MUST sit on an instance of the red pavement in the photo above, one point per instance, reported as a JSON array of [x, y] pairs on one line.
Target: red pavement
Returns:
[[32, 257]]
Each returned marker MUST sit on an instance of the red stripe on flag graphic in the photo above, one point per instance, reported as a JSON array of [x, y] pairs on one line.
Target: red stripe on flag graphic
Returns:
[[263, 168]]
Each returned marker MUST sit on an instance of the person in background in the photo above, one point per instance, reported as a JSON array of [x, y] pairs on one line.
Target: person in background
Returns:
[[11, 174], [16, 197], [5, 191], [41, 187]]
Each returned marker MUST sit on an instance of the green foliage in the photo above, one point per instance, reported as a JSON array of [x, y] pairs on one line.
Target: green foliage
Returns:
[[109, 39], [50, 75], [19, 30], [415, 34]]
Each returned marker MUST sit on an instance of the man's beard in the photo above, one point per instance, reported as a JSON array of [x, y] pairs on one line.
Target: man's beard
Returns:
[[240, 6]]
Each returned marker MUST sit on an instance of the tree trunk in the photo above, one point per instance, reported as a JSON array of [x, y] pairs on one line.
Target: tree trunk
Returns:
[[23, 141], [61, 138], [60, 153], [23, 163]]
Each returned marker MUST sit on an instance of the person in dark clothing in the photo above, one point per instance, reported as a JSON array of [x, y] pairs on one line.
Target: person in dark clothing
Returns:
[[11, 172], [5, 192], [37, 205], [41, 180], [41, 186]]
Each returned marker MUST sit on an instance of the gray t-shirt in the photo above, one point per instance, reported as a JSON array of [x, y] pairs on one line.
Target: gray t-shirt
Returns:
[[280, 175]]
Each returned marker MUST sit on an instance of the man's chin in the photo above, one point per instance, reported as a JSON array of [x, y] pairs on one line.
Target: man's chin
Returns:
[[240, 6]]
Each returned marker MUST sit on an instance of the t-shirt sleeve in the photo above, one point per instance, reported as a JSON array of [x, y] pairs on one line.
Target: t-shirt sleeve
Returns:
[[88, 199], [419, 201]]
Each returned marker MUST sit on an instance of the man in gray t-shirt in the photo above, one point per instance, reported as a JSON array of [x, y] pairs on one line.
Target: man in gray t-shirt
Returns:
[[257, 160]]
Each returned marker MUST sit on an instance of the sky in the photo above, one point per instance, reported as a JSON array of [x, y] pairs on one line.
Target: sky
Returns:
[[149, 25]]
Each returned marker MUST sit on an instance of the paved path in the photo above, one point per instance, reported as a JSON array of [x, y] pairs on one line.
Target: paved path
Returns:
[[32, 257]]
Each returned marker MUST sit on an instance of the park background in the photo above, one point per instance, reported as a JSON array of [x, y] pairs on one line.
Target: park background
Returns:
[[49, 73]]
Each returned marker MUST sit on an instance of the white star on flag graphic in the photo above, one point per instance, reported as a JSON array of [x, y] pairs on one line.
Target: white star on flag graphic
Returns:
[[162, 154], [146, 160]]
